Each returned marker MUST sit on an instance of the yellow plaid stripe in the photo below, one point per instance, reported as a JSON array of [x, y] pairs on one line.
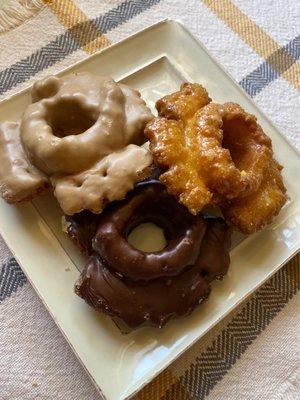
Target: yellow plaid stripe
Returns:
[[243, 26], [87, 35], [293, 75], [256, 38], [158, 388]]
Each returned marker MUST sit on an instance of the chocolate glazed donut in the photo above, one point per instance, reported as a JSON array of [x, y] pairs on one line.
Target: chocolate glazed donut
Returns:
[[149, 203], [154, 300]]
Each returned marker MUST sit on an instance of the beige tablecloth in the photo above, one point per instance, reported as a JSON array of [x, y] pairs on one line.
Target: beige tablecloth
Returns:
[[254, 353]]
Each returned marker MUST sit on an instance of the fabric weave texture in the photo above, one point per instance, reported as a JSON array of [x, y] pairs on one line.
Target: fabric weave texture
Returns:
[[254, 353]]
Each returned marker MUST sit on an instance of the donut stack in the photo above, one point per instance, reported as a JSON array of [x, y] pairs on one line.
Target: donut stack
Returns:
[[149, 287]]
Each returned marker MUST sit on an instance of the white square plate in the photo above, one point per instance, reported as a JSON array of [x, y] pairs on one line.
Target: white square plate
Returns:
[[155, 61]]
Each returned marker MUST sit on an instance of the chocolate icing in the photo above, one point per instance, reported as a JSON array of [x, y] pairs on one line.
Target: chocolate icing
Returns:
[[81, 228], [215, 247], [149, 203], [153, 300]]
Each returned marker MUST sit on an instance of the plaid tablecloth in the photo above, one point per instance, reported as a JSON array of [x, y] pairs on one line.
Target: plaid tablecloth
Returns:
[[252, 354]]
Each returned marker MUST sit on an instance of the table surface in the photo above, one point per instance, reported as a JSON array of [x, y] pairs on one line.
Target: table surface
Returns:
[[4, 3], [258, 43]]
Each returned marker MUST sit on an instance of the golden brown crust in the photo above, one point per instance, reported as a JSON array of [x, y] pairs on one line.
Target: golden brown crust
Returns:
[[170, 152], [208, 154], [250, 214], [183, 104], [250, 148]]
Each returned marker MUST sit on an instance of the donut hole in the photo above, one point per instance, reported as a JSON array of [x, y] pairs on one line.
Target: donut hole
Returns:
[[147, 237], [235, 140], [69, 117]]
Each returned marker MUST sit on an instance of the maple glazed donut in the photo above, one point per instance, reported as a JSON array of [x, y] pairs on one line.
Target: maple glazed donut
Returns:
[[79, 119], [83, 135], [19, 180], [149, 287]]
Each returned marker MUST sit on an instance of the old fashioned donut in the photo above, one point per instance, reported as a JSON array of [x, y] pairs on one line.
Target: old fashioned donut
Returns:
[[215, 153], [143, 291], [251, 213], [83, 134], [149, 202], [108, 180], [77, 120], [19, 180], [143, 303]]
